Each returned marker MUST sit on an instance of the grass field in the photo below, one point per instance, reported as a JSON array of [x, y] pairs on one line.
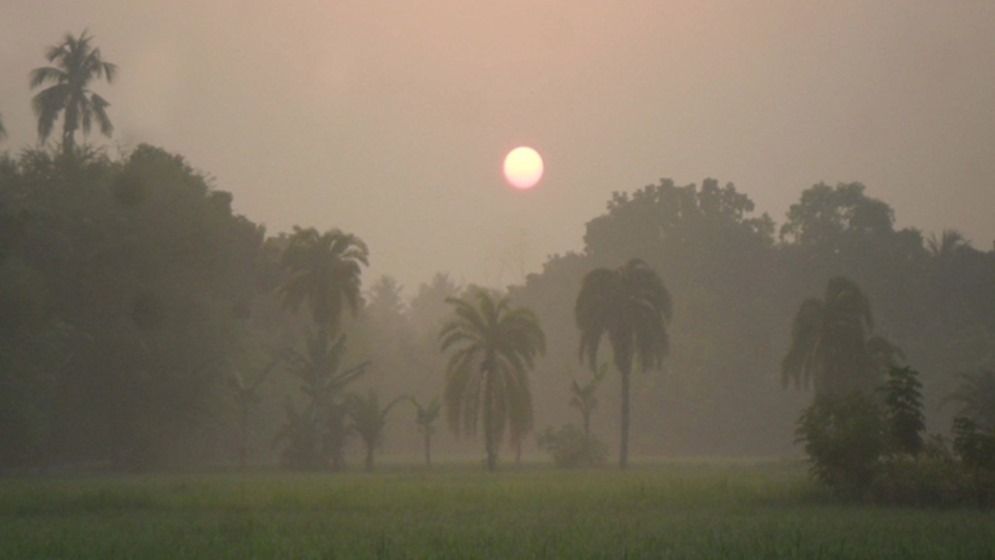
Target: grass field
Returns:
[[673, 510]]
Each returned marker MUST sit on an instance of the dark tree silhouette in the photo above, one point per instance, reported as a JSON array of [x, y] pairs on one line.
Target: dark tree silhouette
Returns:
[[631, 306], [830, 348], [494, 347], [369, 420], [75, 64]]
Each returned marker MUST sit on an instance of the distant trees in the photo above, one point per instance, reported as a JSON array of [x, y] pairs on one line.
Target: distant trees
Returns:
[[830, 348], [494, 346], [976, 397], [631, 307], [75, 64], [369, 419]]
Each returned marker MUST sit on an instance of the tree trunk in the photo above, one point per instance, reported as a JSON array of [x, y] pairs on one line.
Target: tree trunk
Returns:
[[623, 452], [369, 458], [428, 449], [489, 443]]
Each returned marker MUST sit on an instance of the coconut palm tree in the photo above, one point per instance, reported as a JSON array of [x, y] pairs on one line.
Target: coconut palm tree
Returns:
[[830, 348], [75, 64], [584, 399], [425, 417], [494, 347], [947, 244], [369, 420], [631, 306], [324, 271]]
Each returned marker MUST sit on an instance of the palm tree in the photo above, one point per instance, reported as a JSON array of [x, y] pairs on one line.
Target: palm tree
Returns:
[[631, 306], [830, 347], [325, 272], [495, 347], [584, 399], [976, 396], [425, 417], [947, 244], [369, 420], [75, 64]]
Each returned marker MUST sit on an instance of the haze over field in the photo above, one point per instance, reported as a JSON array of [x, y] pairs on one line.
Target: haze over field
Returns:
[[391, 119]]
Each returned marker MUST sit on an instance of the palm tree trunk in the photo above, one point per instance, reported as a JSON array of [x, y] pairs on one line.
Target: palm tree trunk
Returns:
[[428, 449], [623, 452], [489, 443], [369, 458]]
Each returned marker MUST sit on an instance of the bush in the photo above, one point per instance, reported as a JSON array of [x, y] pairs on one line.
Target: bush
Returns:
[[844, 438], [902, 396], [927, 480], [570, 447]]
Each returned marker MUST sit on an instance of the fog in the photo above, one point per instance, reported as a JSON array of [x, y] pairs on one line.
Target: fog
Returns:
[[166, 297], [390, 119]]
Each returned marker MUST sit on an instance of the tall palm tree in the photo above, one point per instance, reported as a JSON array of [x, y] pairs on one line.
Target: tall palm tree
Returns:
[[830, 348], [631, 306], [369, 420], [944, 246], [425, 417], [325, 271], [75, 63], [494, 347], [583, 397]]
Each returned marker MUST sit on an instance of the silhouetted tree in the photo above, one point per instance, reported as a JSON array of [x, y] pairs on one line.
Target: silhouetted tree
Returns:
[[245, 392], [324, 271], [829, 342], [631, 306], [369, 420], [495, 346], [75, 64]]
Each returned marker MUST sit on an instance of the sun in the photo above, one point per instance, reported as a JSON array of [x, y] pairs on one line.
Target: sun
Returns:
[[523, 167]]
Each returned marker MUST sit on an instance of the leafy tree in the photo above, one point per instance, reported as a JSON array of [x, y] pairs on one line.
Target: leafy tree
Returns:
[[76, 63], [494, 347], [844, 437], [369, 420], [632, 307], [902, 395], [829, 342], [583, 397], [425, 417], [824, 214]]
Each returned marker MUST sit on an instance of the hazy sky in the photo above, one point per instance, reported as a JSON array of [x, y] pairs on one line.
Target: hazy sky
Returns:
[[390, 118]]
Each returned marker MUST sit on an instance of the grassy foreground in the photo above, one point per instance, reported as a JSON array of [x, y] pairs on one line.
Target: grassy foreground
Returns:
[[679, 510]]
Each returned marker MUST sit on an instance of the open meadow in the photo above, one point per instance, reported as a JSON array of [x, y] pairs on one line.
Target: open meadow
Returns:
[[663, 510]]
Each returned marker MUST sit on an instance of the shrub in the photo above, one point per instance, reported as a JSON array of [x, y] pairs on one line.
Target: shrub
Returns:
[[844, 437], [571, 448]]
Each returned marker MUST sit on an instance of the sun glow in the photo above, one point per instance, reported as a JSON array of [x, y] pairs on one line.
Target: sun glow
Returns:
[[523, 167]]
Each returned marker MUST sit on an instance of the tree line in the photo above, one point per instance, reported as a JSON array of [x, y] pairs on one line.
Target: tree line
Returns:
[[144, 324]]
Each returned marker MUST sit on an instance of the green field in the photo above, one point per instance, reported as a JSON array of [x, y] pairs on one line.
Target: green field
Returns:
[[672, 510]]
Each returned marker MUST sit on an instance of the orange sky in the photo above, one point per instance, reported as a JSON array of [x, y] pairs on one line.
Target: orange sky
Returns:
[[391, 118]]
